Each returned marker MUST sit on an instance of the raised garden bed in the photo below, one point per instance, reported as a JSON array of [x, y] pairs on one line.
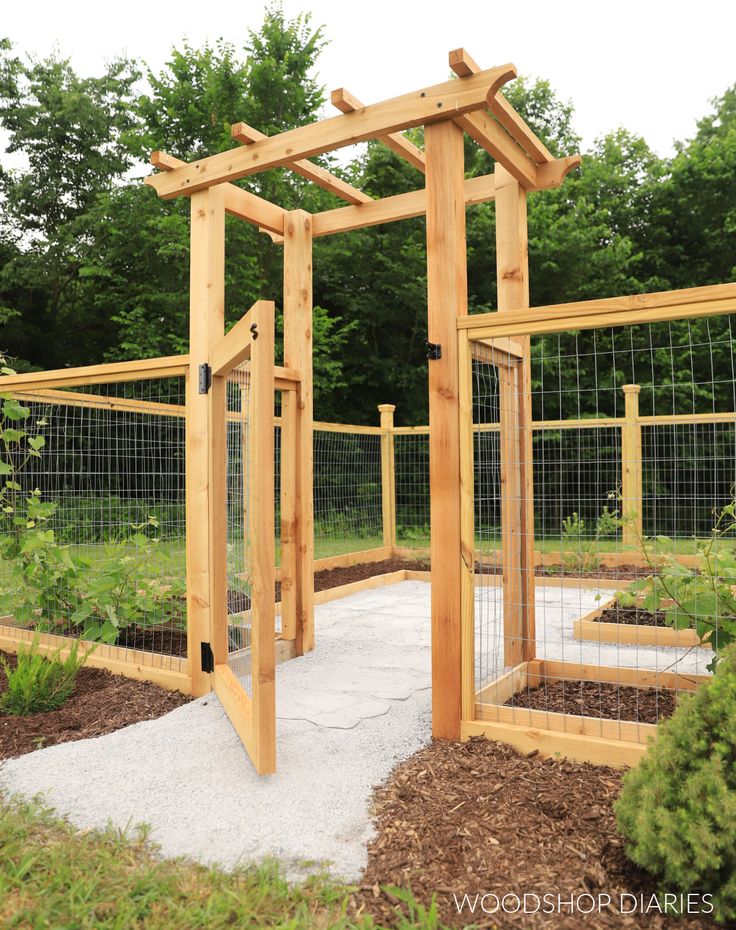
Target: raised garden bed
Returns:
[[101, 702], [611, 623], [598, 699]]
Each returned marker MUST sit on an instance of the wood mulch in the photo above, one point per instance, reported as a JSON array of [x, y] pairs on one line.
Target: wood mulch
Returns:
[[479, 818], [631, 615], [598, 699], [615, 573], [101, 702]]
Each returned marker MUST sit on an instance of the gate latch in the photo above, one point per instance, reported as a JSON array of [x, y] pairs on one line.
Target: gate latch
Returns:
[[434, 350]]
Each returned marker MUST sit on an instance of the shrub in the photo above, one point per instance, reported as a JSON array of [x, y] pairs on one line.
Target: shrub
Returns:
[[678, 806], [40, 683]]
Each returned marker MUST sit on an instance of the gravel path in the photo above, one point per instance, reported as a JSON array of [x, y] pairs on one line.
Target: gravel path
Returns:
[[348, 713]]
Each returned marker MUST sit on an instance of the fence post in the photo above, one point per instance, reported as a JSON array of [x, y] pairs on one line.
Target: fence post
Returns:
[[631, 472], [388, 475]]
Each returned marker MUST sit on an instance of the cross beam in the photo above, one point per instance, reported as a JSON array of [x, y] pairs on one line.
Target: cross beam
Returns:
[[442, 101]]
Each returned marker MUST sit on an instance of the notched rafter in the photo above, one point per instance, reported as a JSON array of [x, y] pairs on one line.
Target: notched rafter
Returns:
[[346, 102], [307, 169]]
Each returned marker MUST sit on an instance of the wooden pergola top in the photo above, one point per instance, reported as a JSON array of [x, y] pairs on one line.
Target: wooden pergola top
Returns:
[[473, 100]]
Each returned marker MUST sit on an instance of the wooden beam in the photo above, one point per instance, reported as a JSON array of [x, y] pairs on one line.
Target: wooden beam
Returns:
[[498, 143], [298, 355], [388, 475], [711, 300], [463, 65], [240, 203], [145, 369], [447, 299], [432, 104], [512, 273], [348, 103], [307, 169], [206, 329], [632, 494]]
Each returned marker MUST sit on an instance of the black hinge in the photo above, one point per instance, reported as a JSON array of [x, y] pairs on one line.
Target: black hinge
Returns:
[[208, 658], [254, 330], [205, 378], [434, 350]]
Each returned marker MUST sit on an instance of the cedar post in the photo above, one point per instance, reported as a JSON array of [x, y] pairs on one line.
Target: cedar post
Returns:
[[631, 472], [517, 488], [206, 329], [388, 475], [447, 294], [298, 355]]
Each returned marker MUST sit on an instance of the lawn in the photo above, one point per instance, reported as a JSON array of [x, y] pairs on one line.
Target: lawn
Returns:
[[54, 876]]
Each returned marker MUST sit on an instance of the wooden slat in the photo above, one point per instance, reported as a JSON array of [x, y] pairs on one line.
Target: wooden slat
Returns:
[[145, 369], [218, 516], [636, 677], [240, 203], [206, 329], [102, 402], [635, 634], [463, 65], [289, 572], [631, 465], [237, 706], [235, 347], [418, 108], [388, 475], [611, 311], [447, 300], [307, 169], [500, 146], [261, 545], [348, 103], [298, 355]]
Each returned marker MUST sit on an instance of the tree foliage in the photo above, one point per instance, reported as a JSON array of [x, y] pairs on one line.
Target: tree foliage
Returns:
[[94, 266]]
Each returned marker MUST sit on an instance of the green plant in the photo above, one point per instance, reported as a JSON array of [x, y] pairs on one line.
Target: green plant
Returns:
[[677, 808], [580, 545], [701, 596], [39, 683]]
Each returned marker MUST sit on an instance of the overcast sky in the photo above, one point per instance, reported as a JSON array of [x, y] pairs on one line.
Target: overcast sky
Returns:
[[649, 65]]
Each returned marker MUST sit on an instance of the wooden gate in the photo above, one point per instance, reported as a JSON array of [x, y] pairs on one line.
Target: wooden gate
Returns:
[[242, 551]]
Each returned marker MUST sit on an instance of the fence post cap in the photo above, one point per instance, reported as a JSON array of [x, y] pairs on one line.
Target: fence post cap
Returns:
[[387, 408], [631, 388]]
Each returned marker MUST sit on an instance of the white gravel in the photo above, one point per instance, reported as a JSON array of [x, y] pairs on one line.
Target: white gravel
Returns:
[[348, 712]]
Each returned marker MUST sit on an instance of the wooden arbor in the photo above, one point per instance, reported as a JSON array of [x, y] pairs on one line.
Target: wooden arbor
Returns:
[[471, 103]]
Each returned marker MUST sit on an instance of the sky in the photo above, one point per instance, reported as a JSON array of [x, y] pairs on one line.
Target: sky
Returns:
[[649, 65]]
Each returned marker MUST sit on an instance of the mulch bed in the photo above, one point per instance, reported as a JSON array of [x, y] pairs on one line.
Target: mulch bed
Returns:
[[598, 699], [101, 702], [615, 573], [478, 817], [632, 616]]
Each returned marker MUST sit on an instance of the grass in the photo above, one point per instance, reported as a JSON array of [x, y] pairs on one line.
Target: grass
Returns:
[[54, 876]]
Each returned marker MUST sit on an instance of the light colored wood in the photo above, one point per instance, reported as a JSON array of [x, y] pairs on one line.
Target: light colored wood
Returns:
[[348, 103], [596, 750], [347, 428], [238, 202], [500, 146], [631, 472], [502, 688], [353, 558], [398, 207], [166, 671], [447, 299], [712, 300], [206, 329], [363, 584], [467, 526], [634, 634], [288, 572], [511, 347], [234, 348], [218, 522], [102, 402], [512, 275], [307, 169], [298, 355], [110, 373], [636, 677], [463, 65], [628, 730], [388, 475], [261, 543], [239, 709], [418, 108]]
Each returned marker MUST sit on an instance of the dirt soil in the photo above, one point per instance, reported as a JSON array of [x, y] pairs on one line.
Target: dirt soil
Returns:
[[479, 818], [101, 702], [631, 615], [616, 573], [596, 699]]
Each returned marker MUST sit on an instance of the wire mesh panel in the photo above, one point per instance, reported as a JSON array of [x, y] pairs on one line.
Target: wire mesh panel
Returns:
[[347, 491], [634, 465], [93, 515], [412, 488]]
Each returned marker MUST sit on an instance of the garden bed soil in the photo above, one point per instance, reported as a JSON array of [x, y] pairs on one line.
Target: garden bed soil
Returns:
[[634, 616], [598, 699], [615, 573], [479, 818], [101, 702]]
